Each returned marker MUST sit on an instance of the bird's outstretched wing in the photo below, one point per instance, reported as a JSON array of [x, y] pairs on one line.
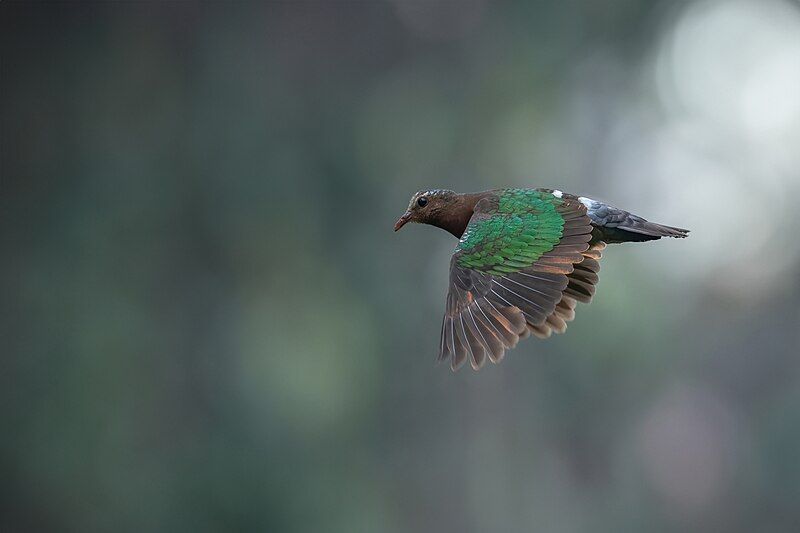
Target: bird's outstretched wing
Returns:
[[516, 271]]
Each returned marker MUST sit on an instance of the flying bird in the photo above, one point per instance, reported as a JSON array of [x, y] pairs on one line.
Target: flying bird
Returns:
[[524, 258]]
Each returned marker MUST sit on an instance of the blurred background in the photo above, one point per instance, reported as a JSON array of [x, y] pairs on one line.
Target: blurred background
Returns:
[[209, 325]]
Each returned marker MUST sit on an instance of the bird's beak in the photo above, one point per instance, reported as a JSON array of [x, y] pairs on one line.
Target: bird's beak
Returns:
[[402, 221]]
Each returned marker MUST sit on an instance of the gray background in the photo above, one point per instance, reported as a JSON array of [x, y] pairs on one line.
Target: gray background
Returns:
[[209, 325]]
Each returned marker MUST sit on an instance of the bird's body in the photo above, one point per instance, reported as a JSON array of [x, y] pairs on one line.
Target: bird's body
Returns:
[[525, 257]]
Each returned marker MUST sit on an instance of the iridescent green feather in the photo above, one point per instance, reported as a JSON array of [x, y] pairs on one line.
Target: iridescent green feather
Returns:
[[525, 226]]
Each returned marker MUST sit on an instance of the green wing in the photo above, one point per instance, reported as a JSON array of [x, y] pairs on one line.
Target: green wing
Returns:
[[512, 231], [516, 271]]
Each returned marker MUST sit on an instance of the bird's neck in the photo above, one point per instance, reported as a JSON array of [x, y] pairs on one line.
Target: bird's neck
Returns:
[[456, 218]]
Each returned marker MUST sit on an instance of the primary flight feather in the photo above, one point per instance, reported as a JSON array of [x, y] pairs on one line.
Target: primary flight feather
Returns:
[[525, 257]]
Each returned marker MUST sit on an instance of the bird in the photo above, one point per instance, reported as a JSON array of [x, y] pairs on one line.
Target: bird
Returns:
[[524, 260]]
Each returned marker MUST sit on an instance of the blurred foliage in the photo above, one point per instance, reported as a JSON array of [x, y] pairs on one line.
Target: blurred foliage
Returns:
[[208, 324]]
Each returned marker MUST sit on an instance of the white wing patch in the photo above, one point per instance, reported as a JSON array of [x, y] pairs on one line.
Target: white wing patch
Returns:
[[557, 193], [588, 202]]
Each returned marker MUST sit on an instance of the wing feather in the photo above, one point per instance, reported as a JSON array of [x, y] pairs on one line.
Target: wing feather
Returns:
[[580, 287]]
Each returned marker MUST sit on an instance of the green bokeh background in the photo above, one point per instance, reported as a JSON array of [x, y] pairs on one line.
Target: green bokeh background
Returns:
[[209, 325]]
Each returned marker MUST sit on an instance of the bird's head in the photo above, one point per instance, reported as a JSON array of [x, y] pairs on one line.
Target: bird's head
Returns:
[[429, 207]]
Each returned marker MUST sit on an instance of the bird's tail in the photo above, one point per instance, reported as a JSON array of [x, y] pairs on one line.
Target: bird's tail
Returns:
[[651, 229], [636, 229]]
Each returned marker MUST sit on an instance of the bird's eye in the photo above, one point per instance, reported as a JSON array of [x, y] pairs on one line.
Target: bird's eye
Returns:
[[422, 201]]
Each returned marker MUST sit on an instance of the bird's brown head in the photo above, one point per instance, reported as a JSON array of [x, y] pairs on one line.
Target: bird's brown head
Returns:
[[438, 207]]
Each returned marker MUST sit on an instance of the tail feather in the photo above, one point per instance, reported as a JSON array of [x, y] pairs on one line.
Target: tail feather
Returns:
[[613, 225], [643, 227]]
